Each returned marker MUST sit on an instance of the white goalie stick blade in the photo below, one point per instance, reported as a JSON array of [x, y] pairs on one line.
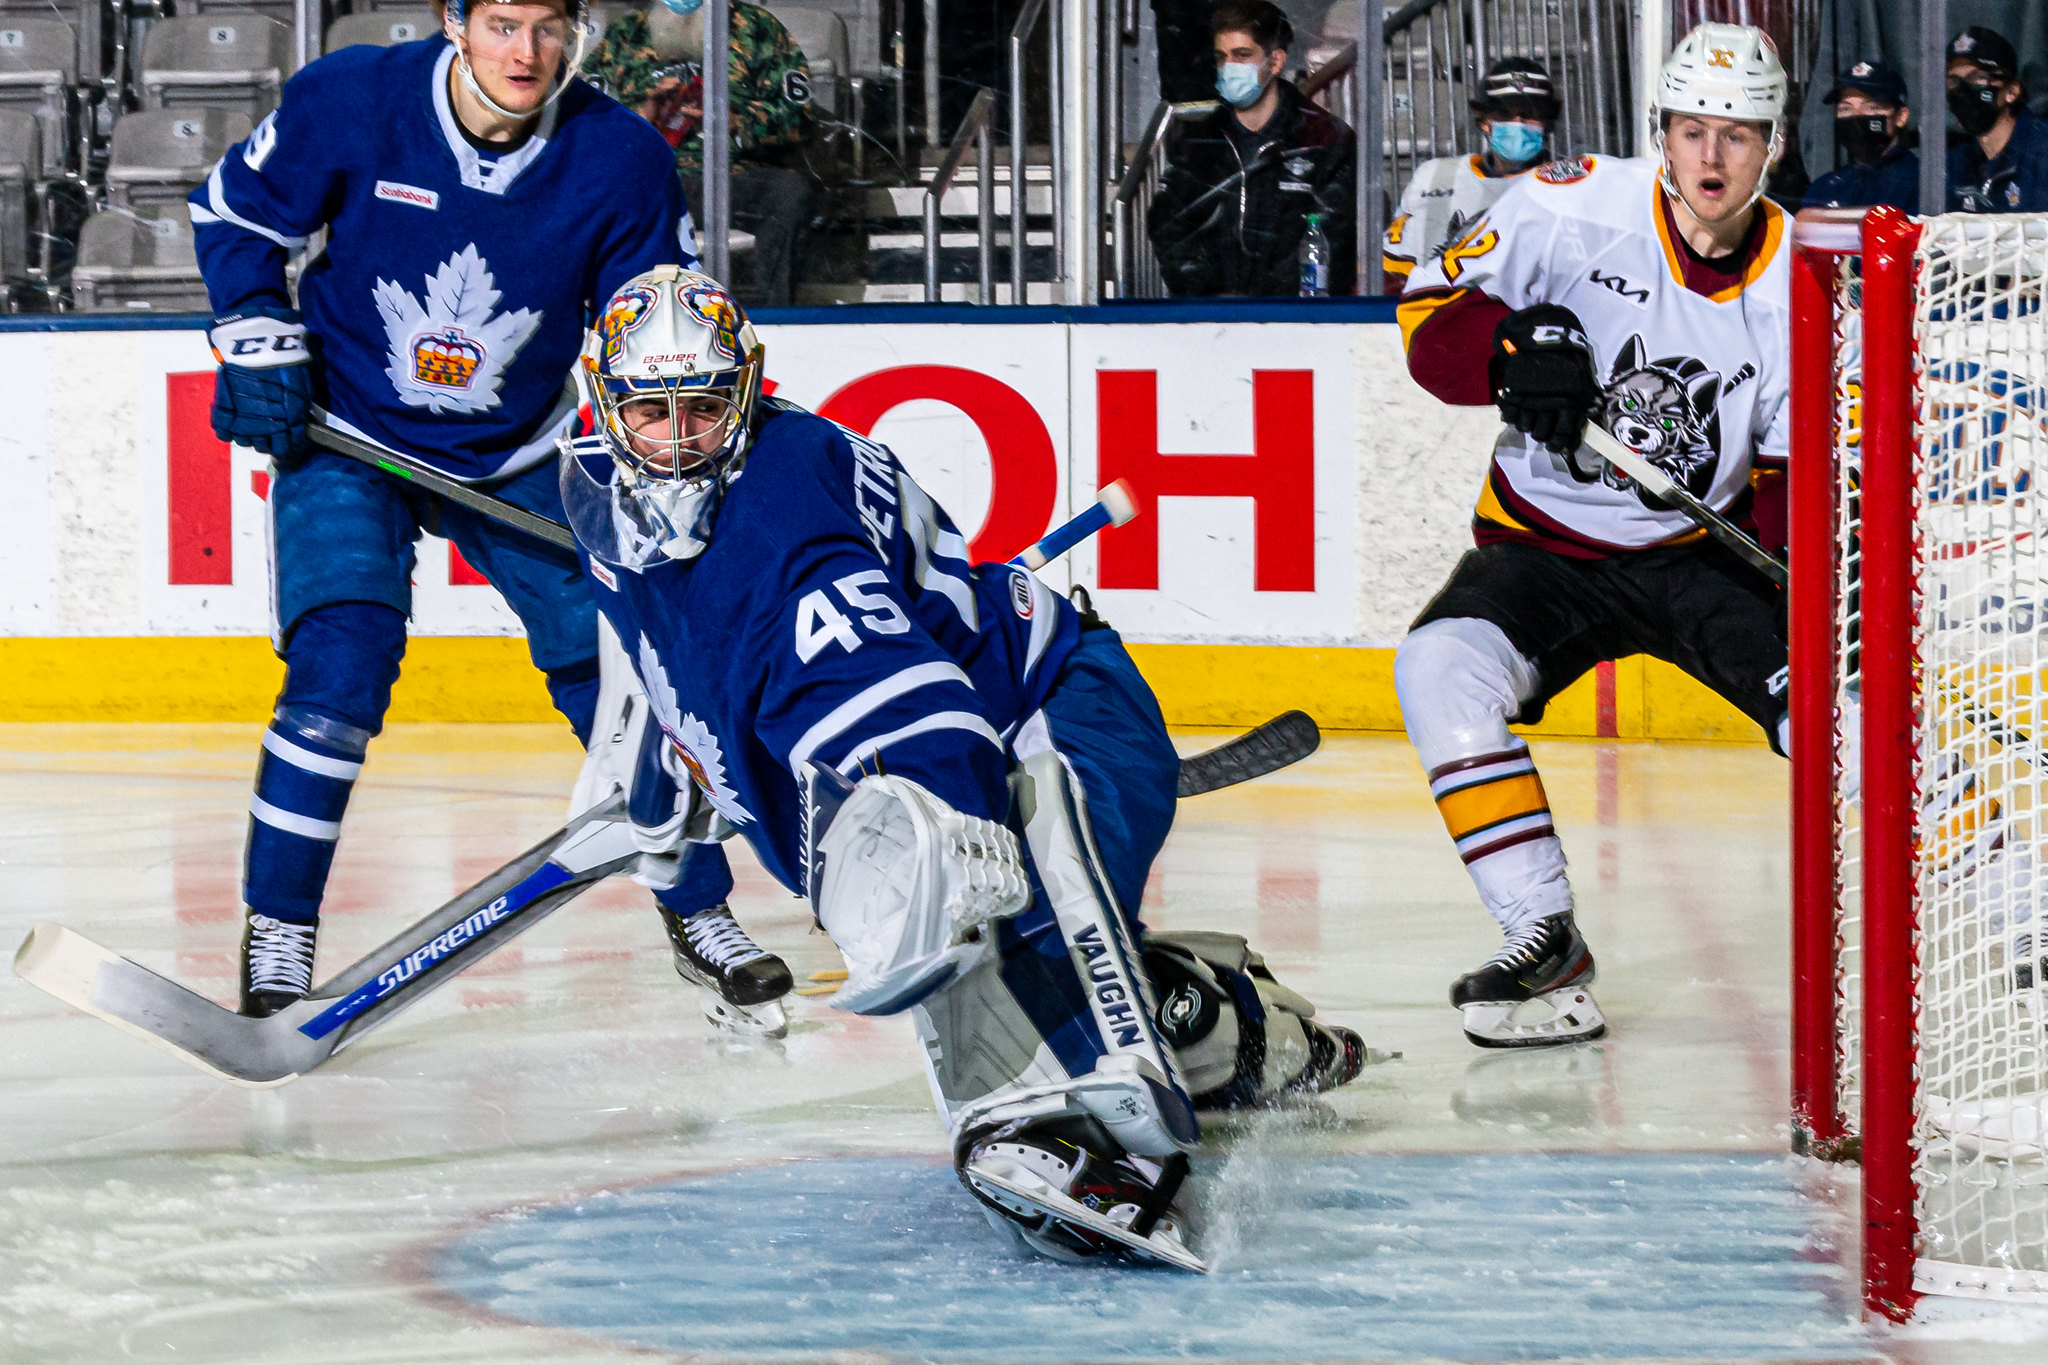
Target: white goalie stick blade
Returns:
[[1013, 1184], [267, 1052], [1287, 738]]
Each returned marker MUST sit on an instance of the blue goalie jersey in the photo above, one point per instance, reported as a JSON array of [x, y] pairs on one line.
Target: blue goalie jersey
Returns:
[[450, 302], [835, 620]]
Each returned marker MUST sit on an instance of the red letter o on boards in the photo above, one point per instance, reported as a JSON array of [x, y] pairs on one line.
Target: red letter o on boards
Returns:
[[1024, 473]]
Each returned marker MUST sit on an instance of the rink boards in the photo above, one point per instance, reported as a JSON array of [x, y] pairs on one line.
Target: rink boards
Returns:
[[1302, 499]]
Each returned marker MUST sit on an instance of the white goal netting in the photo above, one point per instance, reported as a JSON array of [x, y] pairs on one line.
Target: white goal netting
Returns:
[[1981, 1103]]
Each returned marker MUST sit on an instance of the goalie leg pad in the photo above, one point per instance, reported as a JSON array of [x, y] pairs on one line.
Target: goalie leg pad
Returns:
[[908, 888], [1241, 1037], [1460, 682]]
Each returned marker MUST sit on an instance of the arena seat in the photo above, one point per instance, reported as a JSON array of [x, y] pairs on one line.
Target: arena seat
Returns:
[[822, 36], [225, 61], [381, 28], [160, 154], [862, 22], [138, 259], [21, 166], [38, 68], [602, 17]]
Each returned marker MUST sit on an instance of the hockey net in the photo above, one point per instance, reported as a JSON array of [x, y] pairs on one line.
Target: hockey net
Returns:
[[1920, 581]]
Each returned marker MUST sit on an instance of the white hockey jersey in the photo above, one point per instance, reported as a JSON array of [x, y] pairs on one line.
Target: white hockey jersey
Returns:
[[1696, 383], [1446, 196]]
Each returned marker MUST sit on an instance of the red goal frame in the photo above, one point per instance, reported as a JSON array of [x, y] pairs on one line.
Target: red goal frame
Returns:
[[1881, 1135]]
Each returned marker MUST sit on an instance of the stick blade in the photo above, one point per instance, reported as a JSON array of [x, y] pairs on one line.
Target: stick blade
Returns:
[[1286, 739], [134, 999]]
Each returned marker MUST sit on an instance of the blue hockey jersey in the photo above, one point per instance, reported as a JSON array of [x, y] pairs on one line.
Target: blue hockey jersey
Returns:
[[834, 619], [451, 300]]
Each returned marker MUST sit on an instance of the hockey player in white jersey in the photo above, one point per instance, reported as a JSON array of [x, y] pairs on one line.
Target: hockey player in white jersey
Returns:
[[967, 778], [1515, 107], [1649, 296]]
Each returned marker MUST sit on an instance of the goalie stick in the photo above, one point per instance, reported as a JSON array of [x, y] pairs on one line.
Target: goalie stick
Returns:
[[267, 1052], [1661, 485]]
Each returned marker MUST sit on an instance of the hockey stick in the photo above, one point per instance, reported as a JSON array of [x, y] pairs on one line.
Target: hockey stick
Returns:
[[268, 1052], [417, 472], [1287, 738], [1661, 485], [1113, 506]]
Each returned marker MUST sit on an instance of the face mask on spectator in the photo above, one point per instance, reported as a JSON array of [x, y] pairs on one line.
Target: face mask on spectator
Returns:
[[1863, 136], [686, 8], [1515, 143], [1240, 83], [1975, 107]]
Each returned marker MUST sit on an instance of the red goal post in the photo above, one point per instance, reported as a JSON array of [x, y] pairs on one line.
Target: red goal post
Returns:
[[1918, 644]]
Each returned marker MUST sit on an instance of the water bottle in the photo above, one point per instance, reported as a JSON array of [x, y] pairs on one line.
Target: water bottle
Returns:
[[1314, 256]]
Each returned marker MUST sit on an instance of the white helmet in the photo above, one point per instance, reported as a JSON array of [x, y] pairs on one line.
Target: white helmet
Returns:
[[673, 338], [1726, 71]]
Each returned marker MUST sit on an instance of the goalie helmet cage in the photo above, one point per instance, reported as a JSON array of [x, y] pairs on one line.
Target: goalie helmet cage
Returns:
[[1919, 565]]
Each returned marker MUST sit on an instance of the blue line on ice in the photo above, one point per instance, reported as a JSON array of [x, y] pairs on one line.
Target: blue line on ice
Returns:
[[1517, 1256]]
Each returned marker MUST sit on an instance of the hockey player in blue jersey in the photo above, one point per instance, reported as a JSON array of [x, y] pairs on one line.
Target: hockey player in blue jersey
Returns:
[[479, 202], [967, 779]]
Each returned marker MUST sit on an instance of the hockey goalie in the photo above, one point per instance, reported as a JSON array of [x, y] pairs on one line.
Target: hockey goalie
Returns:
[[966, 776], [1650, 297]]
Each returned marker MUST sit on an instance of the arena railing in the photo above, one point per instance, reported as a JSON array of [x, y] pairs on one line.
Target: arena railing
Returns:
[[975, 129], [1020, 38]]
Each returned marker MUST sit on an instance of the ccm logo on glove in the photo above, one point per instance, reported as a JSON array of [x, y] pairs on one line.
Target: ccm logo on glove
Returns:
[[1541, 375]]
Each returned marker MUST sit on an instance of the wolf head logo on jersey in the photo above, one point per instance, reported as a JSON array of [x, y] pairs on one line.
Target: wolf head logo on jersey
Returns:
[[628, 308], [714, 309], [1665, 410]]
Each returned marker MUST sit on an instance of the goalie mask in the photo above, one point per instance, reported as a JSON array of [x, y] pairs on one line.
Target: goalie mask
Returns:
[[672, 371], [1728, 71]]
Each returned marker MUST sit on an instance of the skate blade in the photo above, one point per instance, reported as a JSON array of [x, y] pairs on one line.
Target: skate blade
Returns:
[[257, 1053], [1010, 1183], [1553, 1019], [743, 1021]]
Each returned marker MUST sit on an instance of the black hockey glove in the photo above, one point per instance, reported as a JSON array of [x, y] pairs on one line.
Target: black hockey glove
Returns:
[[1542, 377]]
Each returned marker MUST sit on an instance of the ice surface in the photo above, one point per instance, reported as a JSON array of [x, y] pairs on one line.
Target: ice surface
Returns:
[[561, 1121]]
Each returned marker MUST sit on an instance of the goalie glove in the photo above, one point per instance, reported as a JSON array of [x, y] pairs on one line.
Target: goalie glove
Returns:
[[1542, 379]]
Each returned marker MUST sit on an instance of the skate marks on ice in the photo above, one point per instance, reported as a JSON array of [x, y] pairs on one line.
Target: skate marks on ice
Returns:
[[1498, 1257]]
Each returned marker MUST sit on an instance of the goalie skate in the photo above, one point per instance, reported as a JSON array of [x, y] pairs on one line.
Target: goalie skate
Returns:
[[1535, 992], [1031, 1188], [740, 985]]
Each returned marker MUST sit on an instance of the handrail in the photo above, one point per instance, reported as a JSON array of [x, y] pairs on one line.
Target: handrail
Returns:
[[1135, 269], [1020, 35], [1313, 83], [975, 128]]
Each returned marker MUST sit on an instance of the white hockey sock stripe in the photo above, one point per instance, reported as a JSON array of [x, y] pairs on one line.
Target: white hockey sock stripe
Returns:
[[1507, 834], [300, 757], [304, 826], [1472, 772]]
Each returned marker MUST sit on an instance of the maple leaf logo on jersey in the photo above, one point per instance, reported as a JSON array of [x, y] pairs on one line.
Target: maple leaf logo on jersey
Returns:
[[450, 354], [1665, 411], [695, 745]]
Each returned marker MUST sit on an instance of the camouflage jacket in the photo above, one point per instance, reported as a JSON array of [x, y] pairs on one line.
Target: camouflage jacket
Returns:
[[770, 82]]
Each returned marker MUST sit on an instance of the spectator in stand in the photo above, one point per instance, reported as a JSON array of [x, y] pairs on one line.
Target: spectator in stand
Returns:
[[1870, 125], [2002, 165], [652, 61], [1230, 214], [1516, 107]]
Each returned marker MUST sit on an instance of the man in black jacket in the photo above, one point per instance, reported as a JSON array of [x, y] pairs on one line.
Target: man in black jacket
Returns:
[[1231, 212]]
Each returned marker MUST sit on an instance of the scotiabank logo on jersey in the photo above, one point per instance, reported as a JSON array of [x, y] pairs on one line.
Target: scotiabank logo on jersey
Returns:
[[1241, 453]]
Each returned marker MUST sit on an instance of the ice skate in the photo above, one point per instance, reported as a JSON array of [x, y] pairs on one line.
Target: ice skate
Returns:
[[1064, 1189], [1534, 992], [742, 983], [277, 963]]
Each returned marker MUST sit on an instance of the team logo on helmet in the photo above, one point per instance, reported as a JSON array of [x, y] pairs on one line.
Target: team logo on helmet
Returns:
[[627, 310], [714, 308]]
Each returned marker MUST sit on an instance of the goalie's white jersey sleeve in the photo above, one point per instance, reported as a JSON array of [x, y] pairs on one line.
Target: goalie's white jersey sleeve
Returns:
[[1695, 381]]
